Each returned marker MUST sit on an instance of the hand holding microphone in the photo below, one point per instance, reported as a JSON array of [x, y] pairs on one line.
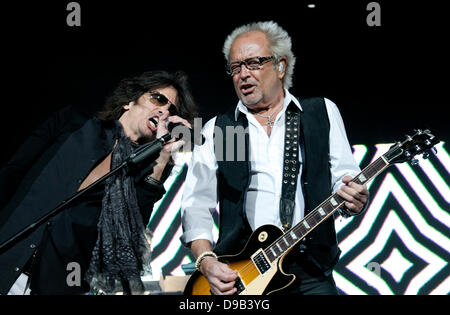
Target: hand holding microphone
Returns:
[[171, 125], [171, 142], [172, 133]]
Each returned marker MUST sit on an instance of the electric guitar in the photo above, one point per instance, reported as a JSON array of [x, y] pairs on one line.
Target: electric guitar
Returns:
[[260, 261]]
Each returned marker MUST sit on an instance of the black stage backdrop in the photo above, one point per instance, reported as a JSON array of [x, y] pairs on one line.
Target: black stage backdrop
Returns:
[[386, 80]]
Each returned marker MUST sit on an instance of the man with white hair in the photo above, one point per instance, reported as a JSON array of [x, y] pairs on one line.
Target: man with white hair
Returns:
[[296, 155]]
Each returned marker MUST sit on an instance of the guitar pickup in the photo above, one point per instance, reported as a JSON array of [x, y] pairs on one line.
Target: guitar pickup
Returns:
[[261, 262]]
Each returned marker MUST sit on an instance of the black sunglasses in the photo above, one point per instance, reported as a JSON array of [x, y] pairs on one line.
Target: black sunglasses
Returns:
[[161, 100]]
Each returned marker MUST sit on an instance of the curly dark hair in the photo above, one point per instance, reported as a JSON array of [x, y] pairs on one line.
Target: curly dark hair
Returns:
[[131, 89]]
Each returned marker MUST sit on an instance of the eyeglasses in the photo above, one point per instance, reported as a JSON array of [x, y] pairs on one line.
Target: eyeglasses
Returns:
[[253, 63], [161, 100]]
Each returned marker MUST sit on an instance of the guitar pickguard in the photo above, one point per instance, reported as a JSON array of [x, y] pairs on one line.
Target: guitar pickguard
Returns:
[[253, 280]]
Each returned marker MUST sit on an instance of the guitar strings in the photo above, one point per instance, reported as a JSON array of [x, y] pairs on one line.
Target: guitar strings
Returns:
[[369, 171], [250, 267]]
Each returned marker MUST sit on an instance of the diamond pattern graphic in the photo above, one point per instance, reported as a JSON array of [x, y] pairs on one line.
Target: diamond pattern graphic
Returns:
[[422, 263], [396, 265], [407, 264]]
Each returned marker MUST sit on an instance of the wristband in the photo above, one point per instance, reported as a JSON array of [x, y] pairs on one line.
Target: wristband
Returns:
[[203, 256]]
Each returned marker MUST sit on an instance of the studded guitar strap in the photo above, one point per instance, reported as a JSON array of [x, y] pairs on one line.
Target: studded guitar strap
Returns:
[[290, 166]]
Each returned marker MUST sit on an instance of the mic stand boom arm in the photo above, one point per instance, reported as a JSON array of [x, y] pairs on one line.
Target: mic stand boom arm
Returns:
[[136, 157]]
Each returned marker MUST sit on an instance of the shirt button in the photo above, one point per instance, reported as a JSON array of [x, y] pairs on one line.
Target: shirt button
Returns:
[[17, 269], [32, 246]]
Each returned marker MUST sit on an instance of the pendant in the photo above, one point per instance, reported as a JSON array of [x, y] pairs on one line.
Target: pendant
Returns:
[[270, 122]]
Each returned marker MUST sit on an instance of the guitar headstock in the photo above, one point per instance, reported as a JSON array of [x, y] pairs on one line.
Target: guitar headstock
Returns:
[[420, 143]]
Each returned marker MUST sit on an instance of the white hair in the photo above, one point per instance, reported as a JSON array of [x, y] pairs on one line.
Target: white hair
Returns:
[[279, 44]]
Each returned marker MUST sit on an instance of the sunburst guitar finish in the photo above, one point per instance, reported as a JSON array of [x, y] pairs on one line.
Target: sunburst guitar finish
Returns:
[[255, 273]]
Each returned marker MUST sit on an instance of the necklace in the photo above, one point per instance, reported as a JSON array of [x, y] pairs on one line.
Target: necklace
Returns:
[[270, 122]]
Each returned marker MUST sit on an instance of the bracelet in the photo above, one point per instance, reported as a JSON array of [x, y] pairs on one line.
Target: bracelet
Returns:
[[201, 257]]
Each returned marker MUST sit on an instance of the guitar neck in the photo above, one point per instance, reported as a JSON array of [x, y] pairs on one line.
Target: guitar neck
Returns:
[[294, 235]]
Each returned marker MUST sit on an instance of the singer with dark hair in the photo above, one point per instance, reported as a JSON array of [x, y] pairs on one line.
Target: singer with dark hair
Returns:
[[101, 235]]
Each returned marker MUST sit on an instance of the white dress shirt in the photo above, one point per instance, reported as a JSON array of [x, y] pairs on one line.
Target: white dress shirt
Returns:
[[266, 157]]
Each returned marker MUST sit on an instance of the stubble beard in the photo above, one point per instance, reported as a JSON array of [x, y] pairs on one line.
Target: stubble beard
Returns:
[[252, 99]]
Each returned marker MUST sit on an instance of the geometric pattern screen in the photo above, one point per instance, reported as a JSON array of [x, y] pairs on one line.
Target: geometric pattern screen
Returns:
[[400, 245]]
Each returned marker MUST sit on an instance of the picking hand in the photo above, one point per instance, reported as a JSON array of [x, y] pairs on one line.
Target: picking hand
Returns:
[[220, 277]]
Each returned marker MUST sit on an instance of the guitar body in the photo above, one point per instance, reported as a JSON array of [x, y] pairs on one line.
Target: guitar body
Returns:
[[250, 281]]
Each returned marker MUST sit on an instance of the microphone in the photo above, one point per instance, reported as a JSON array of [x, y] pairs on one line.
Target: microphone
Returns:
[[180, 131], [147, 150]]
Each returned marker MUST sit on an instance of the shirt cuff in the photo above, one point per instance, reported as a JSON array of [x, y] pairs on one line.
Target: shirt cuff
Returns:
[[197, 234]]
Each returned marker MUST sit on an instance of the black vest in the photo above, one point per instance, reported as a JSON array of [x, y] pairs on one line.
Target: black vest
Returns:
[[233, 182]]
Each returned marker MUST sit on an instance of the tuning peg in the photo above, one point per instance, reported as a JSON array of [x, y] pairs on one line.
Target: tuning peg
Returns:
[[414, 162], [427, 154], [428, 133], [418, 131]]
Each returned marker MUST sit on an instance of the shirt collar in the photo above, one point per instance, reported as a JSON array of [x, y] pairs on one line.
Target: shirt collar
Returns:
[[241, 108]]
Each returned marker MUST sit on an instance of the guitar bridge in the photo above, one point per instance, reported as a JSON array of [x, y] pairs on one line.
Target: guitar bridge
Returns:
[[238, 284]]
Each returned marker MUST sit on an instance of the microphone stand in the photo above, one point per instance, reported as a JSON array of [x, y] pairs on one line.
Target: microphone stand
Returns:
[[136, 157]]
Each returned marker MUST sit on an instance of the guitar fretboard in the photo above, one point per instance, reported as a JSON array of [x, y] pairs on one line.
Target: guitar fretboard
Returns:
[[319, 214]]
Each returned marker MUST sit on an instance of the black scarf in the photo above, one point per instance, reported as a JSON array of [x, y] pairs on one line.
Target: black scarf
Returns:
[[122, 247]]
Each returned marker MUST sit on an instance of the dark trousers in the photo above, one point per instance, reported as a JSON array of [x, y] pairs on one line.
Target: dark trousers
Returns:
[[310, 280]]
